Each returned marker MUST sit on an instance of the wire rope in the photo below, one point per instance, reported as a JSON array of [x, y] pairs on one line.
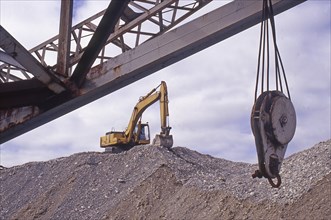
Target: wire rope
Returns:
[[263, 67]]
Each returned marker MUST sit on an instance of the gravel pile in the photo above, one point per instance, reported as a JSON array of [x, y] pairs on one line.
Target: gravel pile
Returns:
[[299, 173], [151, 182]]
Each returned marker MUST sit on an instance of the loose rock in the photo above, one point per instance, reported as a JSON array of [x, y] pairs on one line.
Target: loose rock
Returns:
[[150, 182]]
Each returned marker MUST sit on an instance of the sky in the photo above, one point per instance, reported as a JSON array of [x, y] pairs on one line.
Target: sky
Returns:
[[211, 93]]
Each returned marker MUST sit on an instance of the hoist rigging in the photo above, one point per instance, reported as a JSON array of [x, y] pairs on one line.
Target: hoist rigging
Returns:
[[264, 48], [273, 118]]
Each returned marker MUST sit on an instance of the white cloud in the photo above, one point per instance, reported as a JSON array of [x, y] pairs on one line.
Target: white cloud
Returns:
[[211, 93], [30, 22]]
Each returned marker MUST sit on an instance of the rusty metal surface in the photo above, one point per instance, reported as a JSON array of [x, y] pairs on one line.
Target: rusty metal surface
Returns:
[[12, 117], [64, 37], [8, 59], [23, 93], [100, 36], [11, 46]]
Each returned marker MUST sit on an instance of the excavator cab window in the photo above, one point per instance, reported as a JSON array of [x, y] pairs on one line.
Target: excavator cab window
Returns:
[[143, 133]]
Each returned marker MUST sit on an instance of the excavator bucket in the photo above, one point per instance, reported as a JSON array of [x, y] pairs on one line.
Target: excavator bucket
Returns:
[[163, 140]]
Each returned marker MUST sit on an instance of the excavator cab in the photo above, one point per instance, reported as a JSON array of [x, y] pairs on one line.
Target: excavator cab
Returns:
[[141, 134]]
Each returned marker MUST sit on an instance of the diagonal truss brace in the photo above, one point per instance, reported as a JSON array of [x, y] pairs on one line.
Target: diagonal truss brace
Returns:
[[13, 48], [104, 29]]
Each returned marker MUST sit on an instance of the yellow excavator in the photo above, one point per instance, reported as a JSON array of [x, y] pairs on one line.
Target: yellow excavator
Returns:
[[138, 133]]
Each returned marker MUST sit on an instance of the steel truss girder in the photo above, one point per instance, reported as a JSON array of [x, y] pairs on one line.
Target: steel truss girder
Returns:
[[153, 55], [177, 44], [142, 21]]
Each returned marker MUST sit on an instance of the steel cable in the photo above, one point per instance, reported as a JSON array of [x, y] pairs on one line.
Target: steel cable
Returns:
[[263, 65]]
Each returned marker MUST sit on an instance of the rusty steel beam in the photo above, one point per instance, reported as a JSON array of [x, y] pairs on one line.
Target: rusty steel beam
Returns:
[[99, 39], [6, 58], [11, 46], [23, 93], [64, 37]]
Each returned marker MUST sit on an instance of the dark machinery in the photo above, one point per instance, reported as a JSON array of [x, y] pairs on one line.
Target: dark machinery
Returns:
[[273, 124], [273, 118]]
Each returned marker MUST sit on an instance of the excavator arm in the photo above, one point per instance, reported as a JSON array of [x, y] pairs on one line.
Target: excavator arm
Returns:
[[144, 102], [164, 138], [164, 109]]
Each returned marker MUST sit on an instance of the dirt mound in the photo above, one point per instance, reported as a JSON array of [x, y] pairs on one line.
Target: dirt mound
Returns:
[[151, 182]]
